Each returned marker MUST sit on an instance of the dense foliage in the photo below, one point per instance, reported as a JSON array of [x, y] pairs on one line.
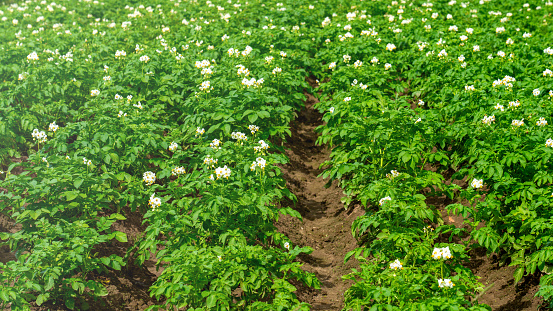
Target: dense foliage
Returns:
[[178, 109]]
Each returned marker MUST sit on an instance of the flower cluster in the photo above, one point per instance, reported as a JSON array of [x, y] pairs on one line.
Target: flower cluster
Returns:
[[253, 128], [392, 174], [206, 86], [222, 172], [215, 144], [549, 143], [259, 162], [210, 161], [87, 162], [384, 200], [200, 131], [154, 202], [488, 119], [445, 283], [39, 136], [262, 146], [507, 81], [238, 136], [54, 127], [477, 183], [395, 265], [173, 146], [517, 123], [149, 178], [179, 170], [441, 253]]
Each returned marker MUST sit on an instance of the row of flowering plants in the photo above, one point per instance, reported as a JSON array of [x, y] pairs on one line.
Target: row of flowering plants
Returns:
[[166, 108], [420, 90]]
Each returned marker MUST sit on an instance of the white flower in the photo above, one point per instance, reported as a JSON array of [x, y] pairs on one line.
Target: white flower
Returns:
[[331, 109], [149, 178], [526, 35], [332, 65], [154, 202], [383, 200], [144, 58], [200, 131], [536, 92], [173, 146], [215, 144], [262, 146], [277, 70], [387, 66], [549, 143], [477, 183], [359, 63], [238, 136], [179, 170], [541, 122], [509, 41], [94, 92], [346, 58], [476, 48], [107, 78], [488, 119], [396, 265], [120, 54], [259, 162], [222, 172], [139, 105], [347, 99], [210, 161], [390, 47], [461, 58], [517, 123], [547, 72], [121, 114], [501, 54], [499, 107], [283, 54], [253, 128], [445, 283], [514, 104], [220, 258], [87, 162], [393, 174], [53, 127], [287, 245], [500, 29], [420, 103], [32, 56], [418, 120], [40, 136], [469, 88], [205, 86], [441, 253]]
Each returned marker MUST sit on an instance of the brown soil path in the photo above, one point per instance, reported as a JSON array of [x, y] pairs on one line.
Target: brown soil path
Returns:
[[326, 224]]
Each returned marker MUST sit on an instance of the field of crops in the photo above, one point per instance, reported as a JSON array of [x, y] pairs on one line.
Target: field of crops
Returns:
[[264, 155]]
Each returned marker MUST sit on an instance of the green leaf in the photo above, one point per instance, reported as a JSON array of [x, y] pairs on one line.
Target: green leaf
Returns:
[[121, 236], [78, 183], [519, 273], [71, 195], [70, 303], [252, 117]]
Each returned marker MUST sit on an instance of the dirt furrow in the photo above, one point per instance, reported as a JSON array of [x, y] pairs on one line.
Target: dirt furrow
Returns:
[[326, 224]]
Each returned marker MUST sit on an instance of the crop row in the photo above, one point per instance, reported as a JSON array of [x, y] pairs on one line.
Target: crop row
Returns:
[[167, 108], [422, 94]]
